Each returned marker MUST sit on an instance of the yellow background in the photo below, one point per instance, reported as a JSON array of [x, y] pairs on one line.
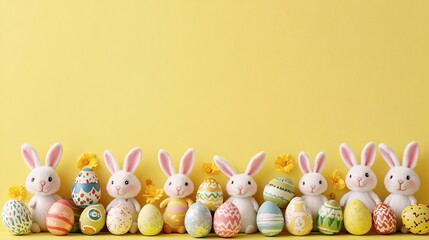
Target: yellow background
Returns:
[[226, 77]]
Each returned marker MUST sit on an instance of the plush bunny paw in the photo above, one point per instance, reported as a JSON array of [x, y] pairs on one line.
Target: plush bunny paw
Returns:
[[167, 229], [404, 229], [251, 229], [181, 229], [133, 228], [35, 228]]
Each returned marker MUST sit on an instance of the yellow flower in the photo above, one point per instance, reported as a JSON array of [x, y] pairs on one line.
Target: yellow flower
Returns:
[[151, 192], [210, 168], [87, 160], [337, 180], [17, 192], [284, 163]]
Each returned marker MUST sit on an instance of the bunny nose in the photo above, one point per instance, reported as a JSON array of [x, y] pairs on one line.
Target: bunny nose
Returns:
[[313, 186], [400, 181], [178, 188], [118, 187], [359, 179], [240, 187], [43, 183]]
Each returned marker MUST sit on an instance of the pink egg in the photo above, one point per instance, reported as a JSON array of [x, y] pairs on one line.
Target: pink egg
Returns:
[[227, 220], [60, 218], [384, 219]]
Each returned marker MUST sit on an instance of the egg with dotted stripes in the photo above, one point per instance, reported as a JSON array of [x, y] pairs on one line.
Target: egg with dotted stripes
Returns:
[[210, 193], [279, 191], [150, 221], [416, 218], [119, 219], [60, 219], [86, 188]]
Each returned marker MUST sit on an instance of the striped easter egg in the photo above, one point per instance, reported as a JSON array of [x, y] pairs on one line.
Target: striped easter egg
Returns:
[[174, 214], [269, 219], [227, 220], [384, 219], [210, 193], [60, 218], [279, 191]]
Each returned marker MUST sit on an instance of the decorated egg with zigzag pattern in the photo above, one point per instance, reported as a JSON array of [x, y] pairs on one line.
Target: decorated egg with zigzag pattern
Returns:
[[210, 193], [384, 219], [227, 220]]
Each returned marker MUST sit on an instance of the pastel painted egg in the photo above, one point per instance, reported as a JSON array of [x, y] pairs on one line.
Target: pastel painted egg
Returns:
[[92, 219], [150, 221], [16, 217], [119, 219], [210, 193], [384, 219], [357, 218], [60, 218], [279, 191], [227, 220], [86, 188], [269, 219], [330, 218], [77, 211], [416, 218], [298, 217], [198, 220]]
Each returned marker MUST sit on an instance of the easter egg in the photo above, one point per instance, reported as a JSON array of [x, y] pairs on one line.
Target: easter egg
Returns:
[[86, 188], [357, 218], [150, 220], [92, 219], [198, 220], [384, 219], [16, 217], [210, 193], [279, 191], [269, 219], [227, 220], [119, 219], [60, 218], [330, 218], [416, 218], [298, 217], [77, 211]]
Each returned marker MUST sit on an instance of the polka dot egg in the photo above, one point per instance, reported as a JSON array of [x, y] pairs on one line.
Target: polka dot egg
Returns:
[[416, 218], [86, 188], [119, 219]]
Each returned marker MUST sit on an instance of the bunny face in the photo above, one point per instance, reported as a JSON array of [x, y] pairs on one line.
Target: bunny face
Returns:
[[178, 185], [123, 183], [401, 179], [241, 185], [43, 180], [312, 183], [360, 178]]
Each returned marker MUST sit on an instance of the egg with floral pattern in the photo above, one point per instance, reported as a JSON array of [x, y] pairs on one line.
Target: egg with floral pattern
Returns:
[[86, 188], [298, 217]]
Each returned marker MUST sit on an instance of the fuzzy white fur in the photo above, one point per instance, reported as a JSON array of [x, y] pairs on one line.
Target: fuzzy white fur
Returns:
[[360, 179], [312, 184], [241, 188], [43, 182], [401, 181], [178, 186], [123, 185]]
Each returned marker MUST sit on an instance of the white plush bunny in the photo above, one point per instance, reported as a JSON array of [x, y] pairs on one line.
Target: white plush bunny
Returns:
[[43, 182], [123, 185], [313, 184], [360, 179], [401, 181], [241, 188], [178, 187]]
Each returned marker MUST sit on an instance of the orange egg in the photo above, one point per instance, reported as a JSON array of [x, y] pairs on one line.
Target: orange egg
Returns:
[[60, 218]]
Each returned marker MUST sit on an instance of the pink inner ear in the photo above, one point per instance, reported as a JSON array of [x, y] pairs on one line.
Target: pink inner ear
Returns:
[[412, 156], [369, 156], [54, 156], [348, 157], [110, 163], [225, 168], [388, 158], [133, 161], [304, 163], [29, 158], [320, 163], [165, 164], [187, 163], [256, 165]]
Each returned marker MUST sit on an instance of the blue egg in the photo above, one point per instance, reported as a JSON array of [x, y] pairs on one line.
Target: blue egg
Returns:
[[198, 220], [270, 219], [86, 189]]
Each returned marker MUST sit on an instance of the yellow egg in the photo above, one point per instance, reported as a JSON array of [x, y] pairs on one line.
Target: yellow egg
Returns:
[[210, 193], [298, 217], [357, 218], [416, 218], [150, 220]]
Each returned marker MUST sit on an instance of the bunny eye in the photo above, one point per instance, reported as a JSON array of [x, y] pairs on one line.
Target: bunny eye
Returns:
[[350, 176], [112, 182], [232, 182], [391, 176], [126, 182], [50, 179], [303, 183], [408, 177], [32, 179], [320, 182], [169, 184], [249, 182], [366, 174], [186, 183]]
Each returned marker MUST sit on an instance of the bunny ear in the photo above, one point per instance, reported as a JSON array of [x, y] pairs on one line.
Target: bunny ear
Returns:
[[30, 156], [166, 163], [348, 155], [132, 160], [304, 162], [320, 162], [54, 155], [224, 166], [368, 154], [187, 162], [388, 155], [255, 164], [411, 155], [111, 162]]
